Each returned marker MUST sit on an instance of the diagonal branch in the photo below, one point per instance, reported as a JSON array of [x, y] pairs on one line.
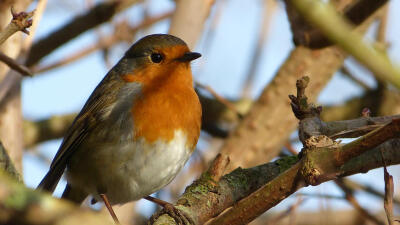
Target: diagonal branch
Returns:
[[7, 165], [321, 14], [122, 32], [23, 70], [99, 14]]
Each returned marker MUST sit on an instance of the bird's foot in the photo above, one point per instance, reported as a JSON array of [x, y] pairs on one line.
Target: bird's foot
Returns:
[[179, 216]]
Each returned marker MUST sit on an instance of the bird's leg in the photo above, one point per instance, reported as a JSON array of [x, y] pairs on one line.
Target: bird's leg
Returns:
[[109, 207], [179, 216], [157, 201]]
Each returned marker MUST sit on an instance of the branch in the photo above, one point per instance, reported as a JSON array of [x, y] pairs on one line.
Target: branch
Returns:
[[20, 22], [381, 101], [99, 14], [306, 35], [249, 135], [7, 165], [23, 70], [47, 129], [349, 195], [269, 11], [368, 189], [206, 198], [219, 98], [20, 205], [322, 160], [122, 31], [321, 14], [189, 18]]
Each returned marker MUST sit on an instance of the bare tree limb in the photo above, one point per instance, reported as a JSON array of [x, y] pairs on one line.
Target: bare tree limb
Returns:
[[269, 10]]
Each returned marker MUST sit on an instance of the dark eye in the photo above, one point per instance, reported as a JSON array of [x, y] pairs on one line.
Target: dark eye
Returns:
[[156, 57]]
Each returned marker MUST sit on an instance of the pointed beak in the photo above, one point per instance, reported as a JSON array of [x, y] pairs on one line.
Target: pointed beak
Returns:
[[189, 56]]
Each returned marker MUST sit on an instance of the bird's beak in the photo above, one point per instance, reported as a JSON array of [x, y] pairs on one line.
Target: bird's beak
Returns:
[[189, 56]]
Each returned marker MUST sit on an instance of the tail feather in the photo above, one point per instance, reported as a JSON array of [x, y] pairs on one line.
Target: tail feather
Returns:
[[74, 194], [51, 179]]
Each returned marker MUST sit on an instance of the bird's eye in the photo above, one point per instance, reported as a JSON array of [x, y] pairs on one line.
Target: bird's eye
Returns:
[[156, 57]]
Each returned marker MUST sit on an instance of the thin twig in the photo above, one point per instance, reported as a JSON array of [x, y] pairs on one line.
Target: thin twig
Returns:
[[287, 212], [122, 32], [20, 22], [353, 201], [381, 33], [318, 195], [23, 70], [218, 167], [269, 10], [345, 71], [221, 99], [99, 14], [368, 189], [290, 148]]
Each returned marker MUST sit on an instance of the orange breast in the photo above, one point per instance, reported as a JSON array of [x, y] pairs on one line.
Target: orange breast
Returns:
[[168, 103]]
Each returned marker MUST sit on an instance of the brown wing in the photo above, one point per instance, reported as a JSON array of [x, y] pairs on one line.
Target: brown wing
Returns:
[[90, 115]]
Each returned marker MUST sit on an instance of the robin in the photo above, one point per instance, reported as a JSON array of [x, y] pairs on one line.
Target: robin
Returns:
[[137, 129]]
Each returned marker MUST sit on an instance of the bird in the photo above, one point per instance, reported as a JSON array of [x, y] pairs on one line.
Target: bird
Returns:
[[137, 129]]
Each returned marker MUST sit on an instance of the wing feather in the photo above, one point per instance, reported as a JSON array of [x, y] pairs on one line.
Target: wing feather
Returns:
[[87, 120]]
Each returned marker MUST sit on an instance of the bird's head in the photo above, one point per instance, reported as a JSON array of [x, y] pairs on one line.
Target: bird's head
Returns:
[[157, 57]]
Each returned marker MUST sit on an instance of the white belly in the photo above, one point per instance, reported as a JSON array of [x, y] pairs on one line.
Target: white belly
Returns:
[[130, 170]]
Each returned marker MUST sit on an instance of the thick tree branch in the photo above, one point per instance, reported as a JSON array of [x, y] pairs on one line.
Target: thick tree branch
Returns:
[[322, 160]]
